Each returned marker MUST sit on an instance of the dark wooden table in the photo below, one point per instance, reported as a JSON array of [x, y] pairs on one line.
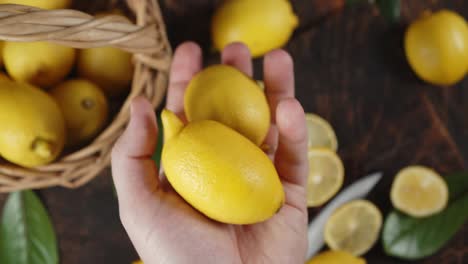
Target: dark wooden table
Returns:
[[350, 68]]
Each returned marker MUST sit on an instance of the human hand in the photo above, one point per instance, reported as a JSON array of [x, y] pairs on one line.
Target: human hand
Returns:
[[163, 227]]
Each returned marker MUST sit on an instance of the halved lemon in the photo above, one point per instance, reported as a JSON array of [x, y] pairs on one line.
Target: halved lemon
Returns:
[[336, 257], [354, 227], [321, 133], [419, 191], [326, 173]]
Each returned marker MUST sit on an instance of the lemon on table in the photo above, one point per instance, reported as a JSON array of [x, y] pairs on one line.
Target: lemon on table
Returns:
[[436, 46], [419, 191], [45, 4], [326, 174], [263, 25], [224, 94], [110, 68], [336, 257], [85, 109], [33, 129], [40, 63], [354, 227], [219, 172], [320, 133]]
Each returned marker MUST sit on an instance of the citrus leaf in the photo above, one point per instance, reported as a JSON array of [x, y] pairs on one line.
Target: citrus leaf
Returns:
[[26, 232], [415, 238], [390, 9]]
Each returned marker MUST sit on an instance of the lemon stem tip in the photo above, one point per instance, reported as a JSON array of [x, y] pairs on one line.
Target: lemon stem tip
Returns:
[[42, 148], [171, 123]]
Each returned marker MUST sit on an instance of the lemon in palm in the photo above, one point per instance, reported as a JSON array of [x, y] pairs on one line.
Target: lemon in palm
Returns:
[[436, 47], [110, 68], [354, 227], [419, 191], [33, 129], [40, 63], [85, 109], [326, 174], [219, 172], [45, 4], [320, 133], [336, 257], [224, 94], [263, 25]]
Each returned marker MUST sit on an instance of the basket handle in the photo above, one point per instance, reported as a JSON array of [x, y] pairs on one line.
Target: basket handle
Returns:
[[80, 30]]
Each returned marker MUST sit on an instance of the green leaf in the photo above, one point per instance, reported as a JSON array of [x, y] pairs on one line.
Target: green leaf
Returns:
[[157, 153], [26, 232], [415, 238], [390, 9]]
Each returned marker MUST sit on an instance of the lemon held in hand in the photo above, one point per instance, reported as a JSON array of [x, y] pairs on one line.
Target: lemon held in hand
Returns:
[[219, 172], [108, 67], [263, 25], [40, 63], [436, 46], [33, 129], [224, 94], [45, 4], [84, 107]]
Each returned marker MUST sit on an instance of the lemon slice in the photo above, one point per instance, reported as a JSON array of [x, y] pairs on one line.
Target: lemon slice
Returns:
[[336, 257], [353, 227], [419, 191], [326, 173], [321, 133]]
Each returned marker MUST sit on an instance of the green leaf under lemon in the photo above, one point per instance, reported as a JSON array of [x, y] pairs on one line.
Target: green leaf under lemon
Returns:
[[415, 238], [26, 232]]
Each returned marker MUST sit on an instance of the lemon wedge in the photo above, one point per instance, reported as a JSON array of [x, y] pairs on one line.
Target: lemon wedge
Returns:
[[419, 191], [326, 173], [354, 227], [320, 132]]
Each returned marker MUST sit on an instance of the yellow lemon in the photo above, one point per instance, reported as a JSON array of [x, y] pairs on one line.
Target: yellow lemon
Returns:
[[40, 63], [3, 76], [419, 191], [321, 133], [219, 172], [263, 25], [45, 4], [354, 227], [326, 174], [336, 257], [436, 46], [108, 67], [224, 94], [33, 129], [138, 262], [84, 107]]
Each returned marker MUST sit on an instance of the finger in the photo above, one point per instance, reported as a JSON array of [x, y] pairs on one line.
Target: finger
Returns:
[[291, 157], [278, 76], [238, 56], [133, 170], [186, 63]]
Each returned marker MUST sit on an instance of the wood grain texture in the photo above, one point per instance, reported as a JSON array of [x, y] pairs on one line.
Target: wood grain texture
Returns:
[[350, 69]]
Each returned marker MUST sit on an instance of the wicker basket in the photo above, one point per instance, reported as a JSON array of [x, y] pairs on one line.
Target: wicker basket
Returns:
[[148, 42]]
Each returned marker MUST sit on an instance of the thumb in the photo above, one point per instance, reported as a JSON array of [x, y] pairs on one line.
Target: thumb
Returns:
[[133, 170]]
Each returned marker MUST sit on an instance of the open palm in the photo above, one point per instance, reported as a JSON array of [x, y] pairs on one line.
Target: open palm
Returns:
[[163, 227]]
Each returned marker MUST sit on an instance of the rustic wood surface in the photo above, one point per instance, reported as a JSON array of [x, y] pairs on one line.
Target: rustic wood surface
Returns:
[[350, 69]]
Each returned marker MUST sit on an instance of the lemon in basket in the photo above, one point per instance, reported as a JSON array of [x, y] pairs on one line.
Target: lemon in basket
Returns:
[[354, 227], [419, 191], [45, 4], [326, 174], [224, 94], [32, 130], [220, 172], [263, 25], [85, 109], [40, 63], [110, 68]]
